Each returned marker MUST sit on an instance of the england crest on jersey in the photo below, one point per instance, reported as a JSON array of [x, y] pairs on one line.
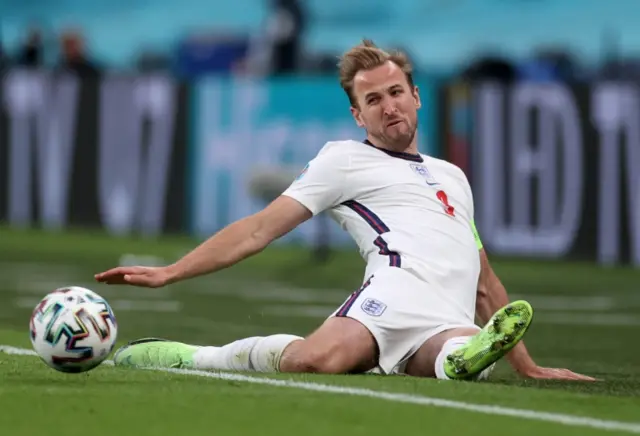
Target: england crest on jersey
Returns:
[[422, 171]]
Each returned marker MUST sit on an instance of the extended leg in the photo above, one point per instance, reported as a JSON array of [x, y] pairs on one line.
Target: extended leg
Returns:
[[261, 354], [340, 345]]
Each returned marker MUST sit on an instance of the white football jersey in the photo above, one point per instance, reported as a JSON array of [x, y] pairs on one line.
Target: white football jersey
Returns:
[[408, 211]]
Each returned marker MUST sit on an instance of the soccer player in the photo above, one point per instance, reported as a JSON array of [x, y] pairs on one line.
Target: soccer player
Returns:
[[411, 216]]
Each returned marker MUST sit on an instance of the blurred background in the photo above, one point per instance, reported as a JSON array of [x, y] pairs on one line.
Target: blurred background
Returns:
[[130, 130]]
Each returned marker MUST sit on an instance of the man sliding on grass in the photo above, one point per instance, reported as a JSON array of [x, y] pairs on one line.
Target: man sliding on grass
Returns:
[[427, 275]]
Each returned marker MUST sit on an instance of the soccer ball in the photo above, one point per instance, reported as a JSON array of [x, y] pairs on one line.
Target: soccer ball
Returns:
[[73, 329]]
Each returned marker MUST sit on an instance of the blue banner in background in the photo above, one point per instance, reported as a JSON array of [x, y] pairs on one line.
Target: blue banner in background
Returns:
[[244, 126]]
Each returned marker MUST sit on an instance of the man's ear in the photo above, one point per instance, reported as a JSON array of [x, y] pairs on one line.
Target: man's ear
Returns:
[[416, 97], [357, 116]]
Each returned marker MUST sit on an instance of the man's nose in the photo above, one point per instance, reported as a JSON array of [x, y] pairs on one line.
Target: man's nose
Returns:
[[389, 107]]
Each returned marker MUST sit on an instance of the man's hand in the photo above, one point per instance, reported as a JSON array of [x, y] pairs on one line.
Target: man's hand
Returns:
[[148, 277], [539, 372], [492, 296]]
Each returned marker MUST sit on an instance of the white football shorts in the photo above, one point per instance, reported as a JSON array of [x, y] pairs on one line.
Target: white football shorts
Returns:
[[402, 312]]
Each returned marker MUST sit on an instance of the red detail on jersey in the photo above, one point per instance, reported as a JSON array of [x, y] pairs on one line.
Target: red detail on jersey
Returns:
[[449, 210]]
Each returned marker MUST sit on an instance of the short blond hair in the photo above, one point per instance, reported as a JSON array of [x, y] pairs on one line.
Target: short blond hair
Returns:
[[367, 56]]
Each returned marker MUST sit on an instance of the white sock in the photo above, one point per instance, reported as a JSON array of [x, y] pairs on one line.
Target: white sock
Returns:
[[260, 354], [449, 347]]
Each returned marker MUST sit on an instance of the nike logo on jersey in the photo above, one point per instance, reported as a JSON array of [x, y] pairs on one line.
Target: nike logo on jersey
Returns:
[[423, 172]]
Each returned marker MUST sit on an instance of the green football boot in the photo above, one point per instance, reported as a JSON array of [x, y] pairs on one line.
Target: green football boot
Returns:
[[155, 353], [503, 331]]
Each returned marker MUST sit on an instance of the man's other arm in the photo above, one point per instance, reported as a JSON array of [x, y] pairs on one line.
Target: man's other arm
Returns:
[[492, 296]]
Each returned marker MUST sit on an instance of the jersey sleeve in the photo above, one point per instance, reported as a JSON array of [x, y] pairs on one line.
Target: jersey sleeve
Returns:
[[321, 184]]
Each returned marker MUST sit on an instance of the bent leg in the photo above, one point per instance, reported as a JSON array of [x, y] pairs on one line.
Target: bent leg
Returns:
[[460, 355]]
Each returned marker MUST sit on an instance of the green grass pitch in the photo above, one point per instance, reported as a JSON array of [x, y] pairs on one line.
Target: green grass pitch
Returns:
[[587, 319]]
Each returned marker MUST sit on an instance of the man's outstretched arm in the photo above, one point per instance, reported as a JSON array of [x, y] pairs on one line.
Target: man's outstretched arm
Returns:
[[492, 295], [236, 242]]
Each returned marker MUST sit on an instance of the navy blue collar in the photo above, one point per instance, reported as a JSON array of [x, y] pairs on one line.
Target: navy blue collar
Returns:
[[399, 154]]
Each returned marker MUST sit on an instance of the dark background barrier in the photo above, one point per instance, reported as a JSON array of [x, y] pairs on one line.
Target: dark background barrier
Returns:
[[106, 152], [555, 167]]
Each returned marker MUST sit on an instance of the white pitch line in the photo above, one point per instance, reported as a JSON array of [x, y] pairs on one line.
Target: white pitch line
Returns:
[[556, 418]]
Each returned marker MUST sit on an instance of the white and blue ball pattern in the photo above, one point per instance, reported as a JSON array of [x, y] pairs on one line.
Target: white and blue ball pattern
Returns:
[[73, 329]]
